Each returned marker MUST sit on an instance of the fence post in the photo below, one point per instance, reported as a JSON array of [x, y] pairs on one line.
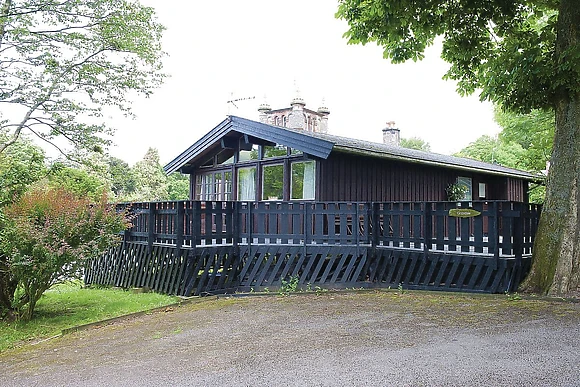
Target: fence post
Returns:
[[494, 226], [179, 226], [250, 223], [427, 229], [151, 227], [307, 224], [236, 224], [518, 247], [375, 230]]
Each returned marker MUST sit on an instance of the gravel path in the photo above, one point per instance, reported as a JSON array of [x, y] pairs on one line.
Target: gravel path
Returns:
[[328, 339]]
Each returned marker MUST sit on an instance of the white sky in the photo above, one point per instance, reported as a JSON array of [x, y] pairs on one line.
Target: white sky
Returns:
[[257, 48]]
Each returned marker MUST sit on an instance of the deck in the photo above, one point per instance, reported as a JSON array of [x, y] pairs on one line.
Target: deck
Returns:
[[197, 248]]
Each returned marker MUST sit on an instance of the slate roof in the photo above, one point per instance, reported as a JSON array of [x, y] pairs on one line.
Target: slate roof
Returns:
[[320, 145]]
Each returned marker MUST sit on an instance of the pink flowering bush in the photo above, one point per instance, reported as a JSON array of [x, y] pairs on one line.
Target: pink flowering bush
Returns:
[[48, 235]]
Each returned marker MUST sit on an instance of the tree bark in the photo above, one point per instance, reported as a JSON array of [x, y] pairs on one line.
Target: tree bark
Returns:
[[556, 254]]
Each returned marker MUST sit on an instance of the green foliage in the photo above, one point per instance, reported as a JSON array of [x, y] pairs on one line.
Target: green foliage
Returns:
[[77, 181], [289, 286], [20, 165], [64, 62], [415, 143], [177, 186], [533, 131], [121, 177], [49, 233], [151, 180], [495, 151], [456, 192]]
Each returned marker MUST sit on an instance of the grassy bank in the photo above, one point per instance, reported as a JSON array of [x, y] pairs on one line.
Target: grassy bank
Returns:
[[69, 305]]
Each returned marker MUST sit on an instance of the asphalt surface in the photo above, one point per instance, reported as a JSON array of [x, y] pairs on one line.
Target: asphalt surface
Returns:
[[356, 339]]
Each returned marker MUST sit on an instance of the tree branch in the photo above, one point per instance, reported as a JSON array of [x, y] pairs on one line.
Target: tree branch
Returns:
[[68, 157], [4, 11]]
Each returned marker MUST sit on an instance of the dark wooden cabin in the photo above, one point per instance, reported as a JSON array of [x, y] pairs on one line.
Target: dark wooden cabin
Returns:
[[270, 204], [241, 159]]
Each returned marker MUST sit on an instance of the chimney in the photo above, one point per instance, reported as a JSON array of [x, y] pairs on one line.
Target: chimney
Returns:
[[391, 135]]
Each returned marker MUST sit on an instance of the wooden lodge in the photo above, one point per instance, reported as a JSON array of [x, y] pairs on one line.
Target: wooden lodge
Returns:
[[270, 204]]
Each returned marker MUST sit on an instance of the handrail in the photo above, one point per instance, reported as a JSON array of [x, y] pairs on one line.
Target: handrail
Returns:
[[502, 228]]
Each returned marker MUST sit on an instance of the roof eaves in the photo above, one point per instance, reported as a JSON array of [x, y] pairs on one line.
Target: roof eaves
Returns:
[[200, 145]]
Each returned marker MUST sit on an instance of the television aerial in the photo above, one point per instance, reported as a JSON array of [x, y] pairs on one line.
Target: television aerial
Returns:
[[233, 101]]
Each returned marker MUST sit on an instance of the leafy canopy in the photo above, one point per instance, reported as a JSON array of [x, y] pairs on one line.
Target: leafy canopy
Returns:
[[63, 63], [506, 48], [495, 151], [533, 131], [415, 143]]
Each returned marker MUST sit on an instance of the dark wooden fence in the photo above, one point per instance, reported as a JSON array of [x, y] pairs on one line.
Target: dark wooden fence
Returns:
[[192, 247]]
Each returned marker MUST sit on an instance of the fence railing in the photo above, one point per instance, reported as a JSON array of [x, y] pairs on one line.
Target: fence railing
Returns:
[[501, 228]]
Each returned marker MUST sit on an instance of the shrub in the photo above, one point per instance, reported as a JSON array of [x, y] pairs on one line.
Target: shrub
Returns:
[[48, 235]]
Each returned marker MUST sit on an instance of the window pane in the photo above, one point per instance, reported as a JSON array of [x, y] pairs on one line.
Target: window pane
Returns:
[[207, 191], [217, 186], [481, 190], [303, 180], [249, 155], [199, 187], [466, 182], [226, 157], [274, 151], [247, 183], [273, 182], [227, 186]]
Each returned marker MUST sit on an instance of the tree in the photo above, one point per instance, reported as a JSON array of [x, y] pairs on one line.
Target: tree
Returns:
[[49, 234], [121, 178], [495, 151], [77, 181], [151, 180], [20, 166], [523, 55], [177, 186], [534, 131], [63, 62], [415, 143]]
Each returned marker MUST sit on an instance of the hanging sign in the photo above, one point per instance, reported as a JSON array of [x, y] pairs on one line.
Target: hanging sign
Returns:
[[463, 212]]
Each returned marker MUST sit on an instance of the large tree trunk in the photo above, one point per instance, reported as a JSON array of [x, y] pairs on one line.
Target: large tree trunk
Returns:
[[556, 257]]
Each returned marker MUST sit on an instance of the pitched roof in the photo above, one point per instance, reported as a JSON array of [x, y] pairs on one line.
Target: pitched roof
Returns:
[[320, 145], [275, 134]]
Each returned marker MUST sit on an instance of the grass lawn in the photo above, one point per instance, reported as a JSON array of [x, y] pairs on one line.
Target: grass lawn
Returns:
[[69, 305]]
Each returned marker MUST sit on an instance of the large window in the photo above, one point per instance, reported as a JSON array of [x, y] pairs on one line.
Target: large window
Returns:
[[303, 180], [466, 182], [247, 183], [214, 186], [273, 182]]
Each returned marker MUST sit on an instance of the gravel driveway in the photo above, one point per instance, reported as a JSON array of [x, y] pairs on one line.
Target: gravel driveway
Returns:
[[329, 339]]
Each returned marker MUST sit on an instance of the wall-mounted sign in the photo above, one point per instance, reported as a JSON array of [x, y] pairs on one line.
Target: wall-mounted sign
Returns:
[[463, 212]]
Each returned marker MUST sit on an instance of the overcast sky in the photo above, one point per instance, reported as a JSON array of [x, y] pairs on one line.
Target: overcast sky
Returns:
[[258, 48]]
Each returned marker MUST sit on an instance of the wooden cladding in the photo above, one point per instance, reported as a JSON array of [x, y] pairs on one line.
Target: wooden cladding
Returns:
[[345, 177]]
